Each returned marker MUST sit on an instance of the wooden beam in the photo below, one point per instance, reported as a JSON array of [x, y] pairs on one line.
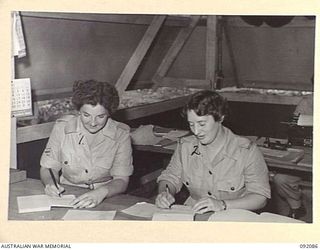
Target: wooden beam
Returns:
[[176, 47], [261, 98], [137, 57], [307, 86], [211, 49], [182, 82], [34, 132], [134, 19]]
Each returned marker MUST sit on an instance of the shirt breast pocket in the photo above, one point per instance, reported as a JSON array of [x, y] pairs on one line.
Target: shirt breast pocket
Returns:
[[231, 188], [104, 162], [70, 166]]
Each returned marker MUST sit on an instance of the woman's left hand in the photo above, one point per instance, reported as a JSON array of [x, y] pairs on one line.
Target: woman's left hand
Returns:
[[208, 204], [89, 199]]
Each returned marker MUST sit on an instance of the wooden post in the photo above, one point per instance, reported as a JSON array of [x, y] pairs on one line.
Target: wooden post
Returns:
[[232, 58], [211, 49], [138, 55]]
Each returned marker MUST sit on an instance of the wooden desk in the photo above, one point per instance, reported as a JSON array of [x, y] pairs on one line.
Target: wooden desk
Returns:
[[118, 203], [33, 187]]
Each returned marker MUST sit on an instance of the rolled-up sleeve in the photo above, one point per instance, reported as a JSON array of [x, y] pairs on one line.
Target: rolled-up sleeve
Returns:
[[51, 157], [256, 173], [122, 165], [173, 172]]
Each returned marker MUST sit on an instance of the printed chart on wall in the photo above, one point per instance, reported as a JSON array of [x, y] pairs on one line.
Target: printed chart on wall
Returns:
[[21, 103]]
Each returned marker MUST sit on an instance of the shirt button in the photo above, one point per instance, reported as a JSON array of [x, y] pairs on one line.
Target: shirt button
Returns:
[[210, 172], [209, 193], [86, 171], [232, 188], [65, 162]]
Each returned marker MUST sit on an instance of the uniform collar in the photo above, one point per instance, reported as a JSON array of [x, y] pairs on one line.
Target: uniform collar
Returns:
[[74, 126], [226, 142]]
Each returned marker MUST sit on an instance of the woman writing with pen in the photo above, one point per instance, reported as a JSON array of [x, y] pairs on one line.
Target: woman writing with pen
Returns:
[[220, 169], [90, 149]]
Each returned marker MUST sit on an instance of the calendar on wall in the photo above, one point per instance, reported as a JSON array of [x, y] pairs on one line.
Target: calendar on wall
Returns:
[[21, 103]]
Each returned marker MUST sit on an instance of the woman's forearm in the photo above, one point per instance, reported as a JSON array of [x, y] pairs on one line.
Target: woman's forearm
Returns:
[[250, 202], [114, 187], [46, 177]]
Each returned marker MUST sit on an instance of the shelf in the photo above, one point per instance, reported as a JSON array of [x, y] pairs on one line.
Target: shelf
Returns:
[[42, 131], [261, 98]]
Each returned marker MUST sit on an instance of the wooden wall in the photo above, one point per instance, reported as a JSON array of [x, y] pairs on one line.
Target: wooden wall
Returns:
[[60, 51]]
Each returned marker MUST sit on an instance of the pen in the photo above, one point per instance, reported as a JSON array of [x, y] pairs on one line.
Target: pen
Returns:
[[54, 180], [167, 190]]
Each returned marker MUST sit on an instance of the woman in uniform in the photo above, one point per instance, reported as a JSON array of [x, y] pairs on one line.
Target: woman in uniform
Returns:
[[90, 149], [220, 169]]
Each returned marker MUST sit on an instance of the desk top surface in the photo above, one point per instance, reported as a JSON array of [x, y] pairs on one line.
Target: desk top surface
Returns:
[[34, 187], [118, 203]]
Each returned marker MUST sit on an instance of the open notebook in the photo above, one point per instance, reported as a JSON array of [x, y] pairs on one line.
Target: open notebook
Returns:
[[242, 215], [175, 213], [151, 211], [75, 214], [42, 202]]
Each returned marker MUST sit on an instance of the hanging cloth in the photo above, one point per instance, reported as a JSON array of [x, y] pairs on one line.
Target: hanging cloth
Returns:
[[18, 43]]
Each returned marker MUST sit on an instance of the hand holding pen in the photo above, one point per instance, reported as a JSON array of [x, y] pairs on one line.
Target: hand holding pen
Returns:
[[53, 189], [165, 199]]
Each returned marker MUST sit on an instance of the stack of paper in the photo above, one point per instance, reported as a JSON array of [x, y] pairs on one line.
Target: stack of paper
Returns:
[[42, 202]]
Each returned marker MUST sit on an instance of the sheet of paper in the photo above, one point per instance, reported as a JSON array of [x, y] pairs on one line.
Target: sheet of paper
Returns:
[[33, 203], [242, 215], [141, 209], [175, 213], [305, 120], [163, 216], [75, 214], [42, 202], [174, 135], [147, 210], [63, 201]]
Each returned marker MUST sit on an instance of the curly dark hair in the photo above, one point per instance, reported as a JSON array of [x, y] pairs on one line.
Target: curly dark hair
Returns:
[[94, 92], [207, 102]]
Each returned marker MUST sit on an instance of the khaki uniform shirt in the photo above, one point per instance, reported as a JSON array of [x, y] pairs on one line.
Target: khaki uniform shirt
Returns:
[[67, 150], [237, 169]]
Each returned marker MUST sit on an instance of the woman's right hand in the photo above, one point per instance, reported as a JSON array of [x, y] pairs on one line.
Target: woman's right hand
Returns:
[[164, 200], [52, 190]]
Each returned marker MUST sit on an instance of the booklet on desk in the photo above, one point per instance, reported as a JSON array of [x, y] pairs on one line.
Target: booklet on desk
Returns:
[[75, 214], [242, 215], [175, 213], [151, 211], [42, 202]]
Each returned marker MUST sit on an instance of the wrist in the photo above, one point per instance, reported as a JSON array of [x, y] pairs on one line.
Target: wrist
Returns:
[[223, 205]]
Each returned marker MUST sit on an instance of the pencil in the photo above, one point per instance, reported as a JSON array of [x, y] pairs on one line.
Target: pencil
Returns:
[[54, 180]]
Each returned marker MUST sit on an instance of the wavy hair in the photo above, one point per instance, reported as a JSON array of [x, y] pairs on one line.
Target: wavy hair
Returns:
[[207, 102], [94, 92]]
